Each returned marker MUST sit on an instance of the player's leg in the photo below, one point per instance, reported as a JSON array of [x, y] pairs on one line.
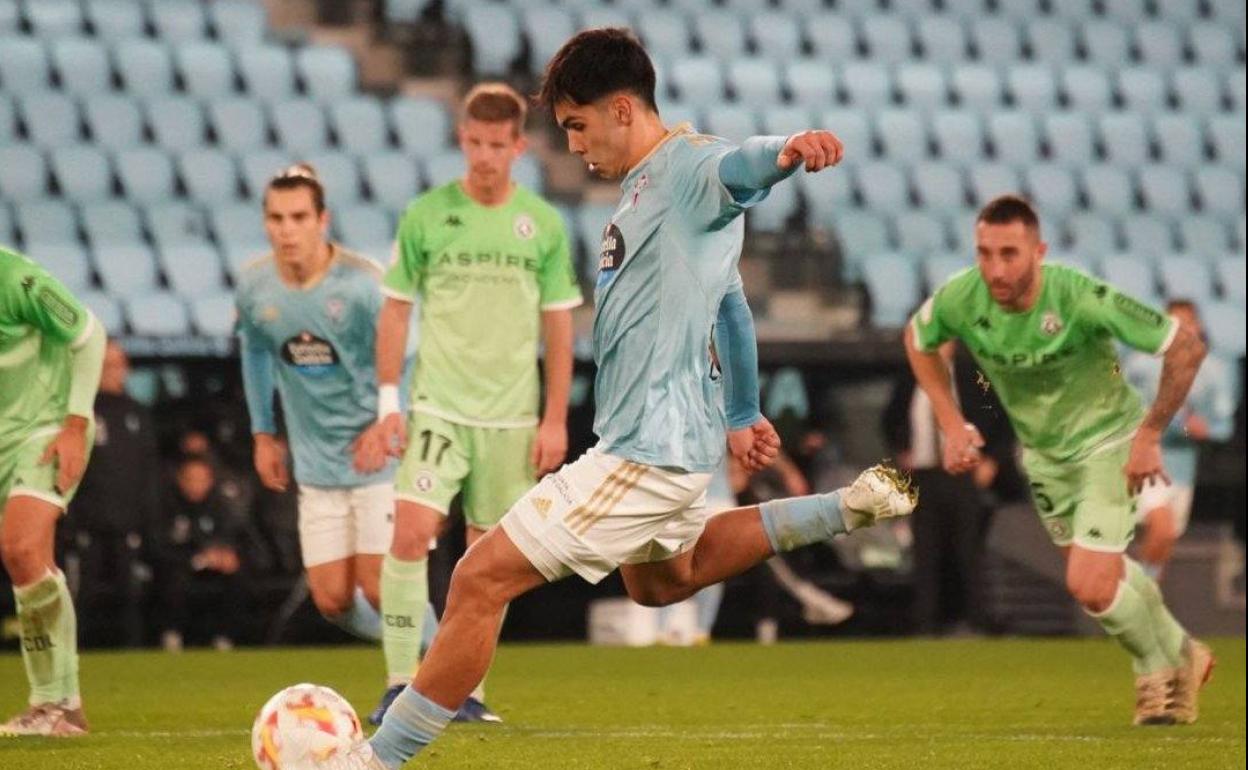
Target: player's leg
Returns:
[[327, 544]]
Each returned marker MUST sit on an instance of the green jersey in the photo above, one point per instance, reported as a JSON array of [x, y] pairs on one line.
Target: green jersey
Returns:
[[483, 273], [1054, 367], [41, 323]]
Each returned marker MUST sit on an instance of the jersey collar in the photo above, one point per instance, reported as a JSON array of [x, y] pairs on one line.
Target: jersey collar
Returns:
[[681, 129]]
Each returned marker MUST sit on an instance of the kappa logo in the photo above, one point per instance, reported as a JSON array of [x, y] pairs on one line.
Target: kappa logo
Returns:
[[983, 323], [542, 506], [453, 221]]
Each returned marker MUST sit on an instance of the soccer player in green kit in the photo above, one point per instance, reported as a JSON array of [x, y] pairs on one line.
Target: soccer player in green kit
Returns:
[[490, 262], [51, 354], [1044, 336]]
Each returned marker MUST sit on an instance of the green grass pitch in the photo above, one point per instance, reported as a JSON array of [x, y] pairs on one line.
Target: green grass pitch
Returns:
[[860, 705]]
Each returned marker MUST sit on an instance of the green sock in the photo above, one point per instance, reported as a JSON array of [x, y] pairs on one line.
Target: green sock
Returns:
[[49, 636], [1128, 620], [404, 596], [1169, 633]]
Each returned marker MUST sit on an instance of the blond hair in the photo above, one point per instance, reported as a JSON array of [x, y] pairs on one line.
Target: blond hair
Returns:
[[495, 103]]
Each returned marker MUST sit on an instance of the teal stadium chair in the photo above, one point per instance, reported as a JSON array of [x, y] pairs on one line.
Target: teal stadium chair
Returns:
[[1069, 138], [206, 68], [213, 315], [115, 19], [25, 172], [113, 121], [494, 33], [360, 124], [82, 65], [238, 22], [977, 87], [1220, 191], [45, 221], [299, 125], [327, 71], [178, 21], [832, 37], [776, 34], [958, 136], [208, 175], [106, 309], [110, 222], [867, 86], [1159, 44], [903, 135], [1052, 188], [145, 67], [51, 19], [238, 122], [51, 118], [1087, 88], [422, 125], [810, 82], [754, 81], [392, 178], [942, 40], [1014, 136], [127, 270], [1205, 235], [1164, 189], [939, 186], [720, 34], [193, 269], [82, 172], [1184, 277], [892, 282], [1179, 141], [65, 259], [886, 39], [1108, 189], [1232, 279], [1051, 40], [267, 71], [922, 86], [157, 314], [546, 27], [1147, 233]]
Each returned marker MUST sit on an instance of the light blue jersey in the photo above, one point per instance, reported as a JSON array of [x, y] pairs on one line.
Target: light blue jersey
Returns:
[[320, 342], [1213, 397], [669, 256]]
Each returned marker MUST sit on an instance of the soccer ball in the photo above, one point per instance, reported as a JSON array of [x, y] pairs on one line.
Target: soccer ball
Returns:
[[301, 727]]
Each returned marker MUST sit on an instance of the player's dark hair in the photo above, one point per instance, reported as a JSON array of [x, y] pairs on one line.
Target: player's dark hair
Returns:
[[496, 103], [1009, 208], [296, 176], [595, 63]]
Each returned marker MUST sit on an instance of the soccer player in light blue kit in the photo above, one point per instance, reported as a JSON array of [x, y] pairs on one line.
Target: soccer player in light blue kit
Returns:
[[306, 325], [667, 285], [1208, 414]]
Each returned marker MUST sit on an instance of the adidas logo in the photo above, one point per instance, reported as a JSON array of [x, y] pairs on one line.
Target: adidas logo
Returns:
[[542, 506]]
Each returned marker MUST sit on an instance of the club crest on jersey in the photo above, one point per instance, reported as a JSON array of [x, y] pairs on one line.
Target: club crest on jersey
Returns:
[[1050, 324], [425, 481], [642, 183], [524, 227], [334, 308]]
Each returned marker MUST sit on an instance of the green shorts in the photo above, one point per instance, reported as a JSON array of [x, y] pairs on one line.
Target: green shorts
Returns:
[[489, 465], [1084, 502], [21, 473]]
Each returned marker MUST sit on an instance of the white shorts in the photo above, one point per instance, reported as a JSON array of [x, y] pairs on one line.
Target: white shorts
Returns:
[[1176, 497], [339, 522], [599, 512]]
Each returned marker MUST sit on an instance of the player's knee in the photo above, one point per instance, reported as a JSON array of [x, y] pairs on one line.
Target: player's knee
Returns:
[[409, 545], [659, 594], [332, 604], [475, 586], [22, 555], [1094, 593]]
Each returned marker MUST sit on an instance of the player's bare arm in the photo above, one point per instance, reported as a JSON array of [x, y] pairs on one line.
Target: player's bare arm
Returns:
[[962, 439], [69, 450], [1179, 367], [550, 446], [269, 457], [391, 342]]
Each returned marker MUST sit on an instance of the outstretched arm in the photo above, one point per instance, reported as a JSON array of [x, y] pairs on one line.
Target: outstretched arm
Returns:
[[762, 161]]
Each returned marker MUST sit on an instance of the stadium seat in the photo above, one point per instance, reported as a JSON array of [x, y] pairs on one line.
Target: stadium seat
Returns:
[[175, 222], [82, 172], [178, 21], [106, 310], [961, 226], [810, 82], [208, 175], [941, 266], [754, 81], [832, 37], [392, 178], [110, 222], [1224, 324], [922, 86], [862, 233], [239, 254], [938, 185], [942, 40], [236, 224], [903, 135], [405, 11], [8, 120], [546, 27], [81, 65], [359, 124], [51, 119], [1203, 235], [597, 15], [1108, 189], [24, 66], [996, 40], [720, 34], [887, 39], [826, 196], [1087, 88], [494, 33], [25, 174], [340, 175], [8, 234], [127, 270], [883, 186], [268, 71], [1179, 141], [10, 17], [1132, 275], [213, 314], [1213, 45], [868, 86], [977, 87], [1196, 90], [527, 172], [699, 81], [239, 22], [1126, 11], [665, 34], [852, 128], [959, 136], [50, 19], [1014, 137], [1226, 135], [893, 285], [1069, 259], [45, 221], [1033, 88], [1124, 138], [776, 34], [1019, 10], [786, 120], [1090, 233], [65, 259], [366, 229], [115, 19], [989, 180], [1235, 87], [238, 123], [731, 121], [144, 66], [1147, 233], [774, 213], [920, 233], [1221, 191], [205, 67], [1142, 89], [146, 174], [114, 122], [177, 122], [1051, 41], [1052, 188], [193, 269], [1231, 278], [1068, 136], [300, 126], [326, 71], [421, 124], [1164, 189], [1186, 278], [1159, 44], [157, 314], [1105, 42]]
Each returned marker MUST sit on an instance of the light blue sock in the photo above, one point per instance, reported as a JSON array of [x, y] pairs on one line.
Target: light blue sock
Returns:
[[707, 603], [410, 724], [428, 631], [797, 521], [361, 621]]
